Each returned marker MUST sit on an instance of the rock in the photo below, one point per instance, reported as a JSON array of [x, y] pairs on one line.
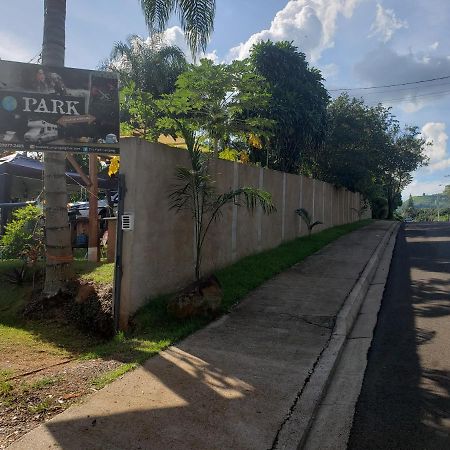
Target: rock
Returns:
[[201, 299], [84, 292]]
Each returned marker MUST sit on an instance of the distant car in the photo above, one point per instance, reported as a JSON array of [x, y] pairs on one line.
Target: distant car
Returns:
[[408, 219], [82, 208], [111, 139]]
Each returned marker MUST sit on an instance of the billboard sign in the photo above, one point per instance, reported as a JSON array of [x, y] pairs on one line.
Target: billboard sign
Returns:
[[58, 109]]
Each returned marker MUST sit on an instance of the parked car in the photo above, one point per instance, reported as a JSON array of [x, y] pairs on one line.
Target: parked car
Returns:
[[408, 219], [104, 210]]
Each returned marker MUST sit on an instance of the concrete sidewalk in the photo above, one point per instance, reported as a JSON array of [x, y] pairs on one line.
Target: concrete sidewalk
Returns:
[[236, 383]]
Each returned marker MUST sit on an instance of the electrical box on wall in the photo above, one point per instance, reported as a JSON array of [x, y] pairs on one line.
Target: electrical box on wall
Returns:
[[127, 221]]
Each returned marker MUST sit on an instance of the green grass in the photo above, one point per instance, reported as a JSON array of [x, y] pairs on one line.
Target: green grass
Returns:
[[43, 383], [248, 273], [98, 272], [154, 329], [41, 406], [101, 381]]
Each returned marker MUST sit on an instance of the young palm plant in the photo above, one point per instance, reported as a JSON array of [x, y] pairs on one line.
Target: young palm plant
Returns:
[[195, 192], [308, 219], [361, 210]]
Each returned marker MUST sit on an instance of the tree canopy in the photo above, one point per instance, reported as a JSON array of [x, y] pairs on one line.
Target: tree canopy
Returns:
[[270, 109], [213, 100], [151, 64], [367, 151], [298, 103]]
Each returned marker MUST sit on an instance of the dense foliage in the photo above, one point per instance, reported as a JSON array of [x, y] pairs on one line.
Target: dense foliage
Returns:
[[272, 110], [214, 100], [297, 106], [23, 237], [367, 151]]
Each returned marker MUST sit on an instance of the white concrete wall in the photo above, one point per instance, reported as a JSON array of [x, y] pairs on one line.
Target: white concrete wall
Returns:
[[158, 255]]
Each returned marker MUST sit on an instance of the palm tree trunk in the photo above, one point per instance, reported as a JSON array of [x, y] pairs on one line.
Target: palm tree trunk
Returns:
[[57, 233]]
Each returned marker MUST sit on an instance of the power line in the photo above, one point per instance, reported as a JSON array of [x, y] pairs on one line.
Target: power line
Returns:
[[389, 85], [37, 57], [431, 94], [431, 86]]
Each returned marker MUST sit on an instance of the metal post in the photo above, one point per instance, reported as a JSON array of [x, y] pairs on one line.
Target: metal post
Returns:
[[93, 253], [118, 264]]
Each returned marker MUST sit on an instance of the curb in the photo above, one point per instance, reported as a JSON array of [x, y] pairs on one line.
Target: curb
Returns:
[[295, 431]]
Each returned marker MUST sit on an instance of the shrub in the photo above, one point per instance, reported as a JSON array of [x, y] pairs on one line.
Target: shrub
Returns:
[[23, 238]]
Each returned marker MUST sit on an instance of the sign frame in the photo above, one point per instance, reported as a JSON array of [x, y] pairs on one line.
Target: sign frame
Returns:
[[58, 109]]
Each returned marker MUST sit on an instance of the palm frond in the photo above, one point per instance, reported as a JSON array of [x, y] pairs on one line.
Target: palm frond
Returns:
[[157, 13], [196, 19], [304, 214], [197, 22]]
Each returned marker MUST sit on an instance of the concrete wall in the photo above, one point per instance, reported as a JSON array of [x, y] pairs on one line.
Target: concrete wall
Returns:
[[158, 255]]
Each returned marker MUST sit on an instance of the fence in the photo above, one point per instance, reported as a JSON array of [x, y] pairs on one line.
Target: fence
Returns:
[[158, 254]]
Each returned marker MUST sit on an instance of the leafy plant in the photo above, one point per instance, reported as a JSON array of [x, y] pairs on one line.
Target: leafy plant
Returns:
[[195, 192], [23, 234], [215, 100], [307, 219], [23, 239]]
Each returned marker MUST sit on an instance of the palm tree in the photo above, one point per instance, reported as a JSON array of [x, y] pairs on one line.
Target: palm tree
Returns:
[[194, 191], [308, 219], [57, 233], [150, 64], [196, 19]]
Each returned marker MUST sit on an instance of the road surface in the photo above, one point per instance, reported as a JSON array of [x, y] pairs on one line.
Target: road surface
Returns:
[[405, 398]]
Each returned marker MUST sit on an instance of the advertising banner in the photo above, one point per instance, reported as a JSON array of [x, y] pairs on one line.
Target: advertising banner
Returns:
[[58, 109]]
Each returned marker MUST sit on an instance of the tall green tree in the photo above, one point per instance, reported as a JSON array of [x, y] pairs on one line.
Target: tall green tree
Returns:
[[356, 134], [367, 151], [298, 103], [57, 234], [411, 210], [404, 154], [196, 19], [215, 100]]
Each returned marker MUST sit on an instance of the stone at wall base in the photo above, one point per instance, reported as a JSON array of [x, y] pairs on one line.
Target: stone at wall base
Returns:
[[201, 299]]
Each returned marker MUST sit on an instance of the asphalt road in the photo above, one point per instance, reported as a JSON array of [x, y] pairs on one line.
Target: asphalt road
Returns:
[[405, 398]]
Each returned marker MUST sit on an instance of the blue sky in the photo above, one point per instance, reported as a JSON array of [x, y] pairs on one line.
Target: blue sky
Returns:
[[354, 42]]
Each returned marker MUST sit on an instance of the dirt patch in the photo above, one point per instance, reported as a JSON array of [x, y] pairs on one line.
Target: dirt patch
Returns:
[[86, 304], [28, 401]]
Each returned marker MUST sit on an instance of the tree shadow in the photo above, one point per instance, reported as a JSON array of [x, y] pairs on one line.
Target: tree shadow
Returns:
[[404, 403]]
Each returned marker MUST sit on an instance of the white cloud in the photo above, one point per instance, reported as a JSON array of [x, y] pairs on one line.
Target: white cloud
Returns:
[[386, 24], [329, 71], [310, 24], [175, 36], [434, 45], [434, 133], [13, 49]]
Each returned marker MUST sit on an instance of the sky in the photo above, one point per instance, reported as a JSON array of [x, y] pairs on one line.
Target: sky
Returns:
[[355, 43]]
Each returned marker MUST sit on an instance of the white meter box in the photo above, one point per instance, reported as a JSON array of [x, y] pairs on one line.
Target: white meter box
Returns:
[[127, 221]]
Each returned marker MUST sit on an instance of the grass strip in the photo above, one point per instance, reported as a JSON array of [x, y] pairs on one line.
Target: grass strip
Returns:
[[248, 273]]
